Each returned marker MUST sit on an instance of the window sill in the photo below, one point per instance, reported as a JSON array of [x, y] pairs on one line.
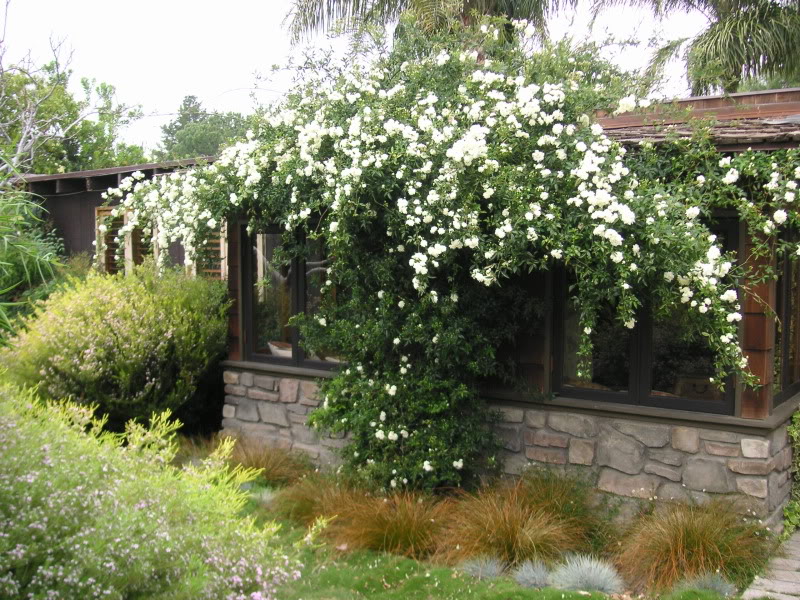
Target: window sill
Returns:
[[276, 368], [672, 416]]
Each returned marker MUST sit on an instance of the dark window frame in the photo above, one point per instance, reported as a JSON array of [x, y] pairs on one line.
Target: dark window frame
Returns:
[[640, 354], [297, 287], [785, 305]]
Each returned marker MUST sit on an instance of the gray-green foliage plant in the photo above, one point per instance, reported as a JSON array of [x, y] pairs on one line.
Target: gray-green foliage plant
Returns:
[[532, 574], [483, 567], [129, 344], [712, 582], [86, 513], [587, 573]]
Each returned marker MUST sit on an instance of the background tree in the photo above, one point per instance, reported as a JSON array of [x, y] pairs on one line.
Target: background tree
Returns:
[[45, 128], [197, 132], [744, 41]]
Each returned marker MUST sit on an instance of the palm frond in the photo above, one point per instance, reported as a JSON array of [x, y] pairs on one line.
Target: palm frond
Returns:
[[655, 70], [310, 16], [761, 39]]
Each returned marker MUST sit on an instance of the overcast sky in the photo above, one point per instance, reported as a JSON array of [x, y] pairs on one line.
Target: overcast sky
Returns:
[[157, 52]]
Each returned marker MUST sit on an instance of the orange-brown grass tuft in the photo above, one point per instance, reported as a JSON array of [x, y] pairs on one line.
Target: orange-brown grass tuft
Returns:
[[312, 496], [503, 522], [278, 466], [687, 540], [404, 523], [571, 499]]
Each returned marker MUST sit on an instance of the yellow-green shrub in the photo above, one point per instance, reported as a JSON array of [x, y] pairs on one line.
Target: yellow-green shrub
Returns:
[[132, 345]]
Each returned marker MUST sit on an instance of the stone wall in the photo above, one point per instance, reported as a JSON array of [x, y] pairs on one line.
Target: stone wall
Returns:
[[623, 455]]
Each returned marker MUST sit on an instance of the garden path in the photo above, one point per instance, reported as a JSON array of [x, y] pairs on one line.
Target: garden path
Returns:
[[782, 579]]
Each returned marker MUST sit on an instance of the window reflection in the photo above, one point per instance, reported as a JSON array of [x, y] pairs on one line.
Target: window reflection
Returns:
[[272, 299], [610, 362], [682, 362], [316, 273]]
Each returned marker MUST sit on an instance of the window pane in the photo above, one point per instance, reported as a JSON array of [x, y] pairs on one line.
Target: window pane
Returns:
[[272, 299], [610, 364], [316, 276], [682, 362]]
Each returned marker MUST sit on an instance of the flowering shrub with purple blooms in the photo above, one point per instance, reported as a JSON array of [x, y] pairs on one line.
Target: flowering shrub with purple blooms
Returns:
[[131, 344], [85, 513]]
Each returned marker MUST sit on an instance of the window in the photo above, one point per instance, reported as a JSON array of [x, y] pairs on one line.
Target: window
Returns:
[[787, 328], [273, 292], [659, 363], [134, 249]]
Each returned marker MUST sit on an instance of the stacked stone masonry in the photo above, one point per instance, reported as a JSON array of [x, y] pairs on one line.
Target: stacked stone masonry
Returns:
[[623, 456]]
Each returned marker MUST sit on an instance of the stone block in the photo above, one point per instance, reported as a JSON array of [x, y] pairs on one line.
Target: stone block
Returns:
[[247, 410], [577, 425], [653, 436], [662, 470], [620, 452], [752, 486], [265, 382], [622, 484], [258, 394], [744, 466], [230, 427], [754, 448], [297, 419], [721, 449], [686, 439], [673, 491], [273, 413], [535, 418], [288, 390], [235, 390], [514, 463], [260, 432], [309, 391], [717, 435], [511, 436], [228, 411], [310, 450], [707, 475], [511, 415], [667, 456], [549, 439], [334, 443], [230, 377], [304, 434], [783, 459], [246, 379], [778, 439], [556, 456], [232, 399], [297, 409], [581, 452]]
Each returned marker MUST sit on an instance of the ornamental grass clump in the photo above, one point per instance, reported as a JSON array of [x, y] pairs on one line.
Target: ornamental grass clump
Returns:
[[313, 496], [86, 513], [708, 582], [406, 523], [687, 540], [483, 567], [586, 573], [129, 344], [501, 521], [532, 574]]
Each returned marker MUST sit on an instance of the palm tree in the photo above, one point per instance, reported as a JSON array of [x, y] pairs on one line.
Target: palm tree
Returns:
[[744, 40], [310, 16]]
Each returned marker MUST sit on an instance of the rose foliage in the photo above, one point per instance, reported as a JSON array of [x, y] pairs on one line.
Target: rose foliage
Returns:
[[439, 175]]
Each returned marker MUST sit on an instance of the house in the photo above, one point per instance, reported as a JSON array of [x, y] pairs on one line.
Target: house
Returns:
[[75, 209], [647, 425]]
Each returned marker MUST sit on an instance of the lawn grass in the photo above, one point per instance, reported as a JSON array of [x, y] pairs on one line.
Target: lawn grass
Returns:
[[331, 574]]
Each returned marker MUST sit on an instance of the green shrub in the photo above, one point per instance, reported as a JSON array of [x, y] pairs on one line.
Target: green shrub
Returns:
[[132, 345], [92, 514], [791, 513]]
